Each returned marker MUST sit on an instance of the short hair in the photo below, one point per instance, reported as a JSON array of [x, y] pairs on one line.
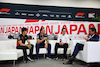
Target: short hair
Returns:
[[24, 29], [93, 29], [41, 28], [63, 29]]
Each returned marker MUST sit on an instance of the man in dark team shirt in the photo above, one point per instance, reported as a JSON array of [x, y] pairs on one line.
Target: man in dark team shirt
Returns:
[[91, 37], [41, 38], [21, 40]]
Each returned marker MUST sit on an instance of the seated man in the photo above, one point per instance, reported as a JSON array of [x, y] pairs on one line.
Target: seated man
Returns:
[[79, 46], [63, 41], [41, 38], [21, 40]]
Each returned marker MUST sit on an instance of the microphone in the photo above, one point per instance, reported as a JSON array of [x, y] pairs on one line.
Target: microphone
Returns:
[[45, 35], [60, 40], [88, 35]]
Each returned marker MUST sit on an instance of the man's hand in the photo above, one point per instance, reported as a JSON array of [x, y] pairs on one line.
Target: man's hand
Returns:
[[28, 42], [40, 41], [46, 46], [86, 38], [45, 38], [28, 46], [61, 43]]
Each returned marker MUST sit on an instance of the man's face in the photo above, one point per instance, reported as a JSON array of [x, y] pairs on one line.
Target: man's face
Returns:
[[91, 32], [43, 31], [25, 32], [64, 31]]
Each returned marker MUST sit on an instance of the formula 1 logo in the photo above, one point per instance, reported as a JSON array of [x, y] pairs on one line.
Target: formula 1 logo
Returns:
[[4, 11], [80, 15]]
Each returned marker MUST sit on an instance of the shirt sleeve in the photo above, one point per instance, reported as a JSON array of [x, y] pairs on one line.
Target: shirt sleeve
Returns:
[[27, 37], [47, 37], [19, 38], [95, 38], [58, 39], [67, 39], [37, 37]]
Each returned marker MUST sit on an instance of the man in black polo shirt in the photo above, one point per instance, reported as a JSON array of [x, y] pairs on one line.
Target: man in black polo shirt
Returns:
[[21, 45], [41, 38]]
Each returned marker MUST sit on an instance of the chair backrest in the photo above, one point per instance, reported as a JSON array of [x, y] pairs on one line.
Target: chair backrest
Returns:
[[32, 42], [7, 44], [4, 45], [13, 43]]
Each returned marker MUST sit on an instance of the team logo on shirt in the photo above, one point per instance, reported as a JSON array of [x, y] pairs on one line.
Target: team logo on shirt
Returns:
[[25, 37], [18, 38], [40, 37]]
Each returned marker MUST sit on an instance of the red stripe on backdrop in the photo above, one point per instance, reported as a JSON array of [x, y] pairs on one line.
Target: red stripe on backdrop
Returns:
[[43, 20], [32, 20]]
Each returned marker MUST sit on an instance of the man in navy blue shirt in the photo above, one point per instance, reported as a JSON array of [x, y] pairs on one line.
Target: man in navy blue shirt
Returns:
[[41, 38], [91, 37]]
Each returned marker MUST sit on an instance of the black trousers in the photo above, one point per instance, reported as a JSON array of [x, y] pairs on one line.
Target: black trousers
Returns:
[[24, 48], [65, 46]]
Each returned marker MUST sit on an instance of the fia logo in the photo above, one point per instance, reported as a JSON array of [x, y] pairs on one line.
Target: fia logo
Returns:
[[92, 15]]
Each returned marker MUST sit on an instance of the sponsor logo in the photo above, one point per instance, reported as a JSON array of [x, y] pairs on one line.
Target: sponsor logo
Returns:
[[63, 16], [30, 14], [23, 14], [51, 15], [69, 16], [38, 15], [45, 15], [17, 13], [91, 15], [57, 16], [4, 11], [80, 15]]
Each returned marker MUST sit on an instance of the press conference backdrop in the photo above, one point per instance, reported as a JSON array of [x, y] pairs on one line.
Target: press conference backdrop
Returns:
[[77, 21]]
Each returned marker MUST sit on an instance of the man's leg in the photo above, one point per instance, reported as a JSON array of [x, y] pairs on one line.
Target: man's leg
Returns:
[[49, 50], [76, 50], [31, 51], [56, 49], [24, 51], [65, 46], [37, 49]]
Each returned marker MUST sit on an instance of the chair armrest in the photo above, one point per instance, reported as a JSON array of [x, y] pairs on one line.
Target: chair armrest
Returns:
[[72, 45], [92, 51]]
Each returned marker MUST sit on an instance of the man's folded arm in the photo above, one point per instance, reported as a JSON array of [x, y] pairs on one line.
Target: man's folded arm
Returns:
[[21, 44], [94, 39]]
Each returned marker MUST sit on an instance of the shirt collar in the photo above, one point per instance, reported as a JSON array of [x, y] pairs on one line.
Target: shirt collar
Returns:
[[41, 35], [93, 35], [63, 35]]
